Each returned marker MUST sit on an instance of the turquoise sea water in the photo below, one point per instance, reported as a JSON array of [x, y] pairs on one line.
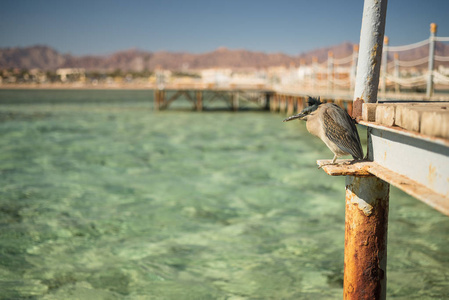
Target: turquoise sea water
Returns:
[[103, 198]]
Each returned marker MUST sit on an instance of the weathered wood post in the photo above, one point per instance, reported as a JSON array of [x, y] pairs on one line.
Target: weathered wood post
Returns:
[[290, 105], [268, 96], [235, 101], [299, 105], [156, 99], [199, 100], [433, 31], [367, 198], [282, 104]]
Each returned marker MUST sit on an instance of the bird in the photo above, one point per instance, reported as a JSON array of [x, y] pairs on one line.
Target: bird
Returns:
[[333, 125]]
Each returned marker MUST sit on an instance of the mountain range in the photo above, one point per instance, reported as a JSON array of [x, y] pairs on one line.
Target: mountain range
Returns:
[[47, 58]]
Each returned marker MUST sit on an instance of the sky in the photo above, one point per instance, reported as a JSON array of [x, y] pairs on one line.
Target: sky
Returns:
[[97, 27]]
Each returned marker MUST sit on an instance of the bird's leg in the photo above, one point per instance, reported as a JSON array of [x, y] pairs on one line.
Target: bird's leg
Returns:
[[333, 162]]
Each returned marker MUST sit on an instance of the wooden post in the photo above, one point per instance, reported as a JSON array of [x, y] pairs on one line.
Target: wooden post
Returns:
[[366, 224], [433, 31], [162, 103], [235, 101], [199, 100], [282, 104], [274, 104], [267, 101], [299, 105], [290, 107], [156, 99]]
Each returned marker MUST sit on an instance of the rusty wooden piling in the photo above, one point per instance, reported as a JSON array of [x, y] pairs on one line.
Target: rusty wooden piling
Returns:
[[235, 101], [290, 105], [366, 222], [199, 100], [299, 105]]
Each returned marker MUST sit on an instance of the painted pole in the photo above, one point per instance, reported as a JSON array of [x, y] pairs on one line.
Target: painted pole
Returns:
[[433, 31], [384, 66], [370, 52], [366, 223]]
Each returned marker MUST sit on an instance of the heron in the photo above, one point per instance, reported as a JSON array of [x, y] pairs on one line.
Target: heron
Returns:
[[333, 125]]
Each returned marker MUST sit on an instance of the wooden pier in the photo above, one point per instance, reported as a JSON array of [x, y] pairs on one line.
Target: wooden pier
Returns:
[[408, 147], [200, 96]]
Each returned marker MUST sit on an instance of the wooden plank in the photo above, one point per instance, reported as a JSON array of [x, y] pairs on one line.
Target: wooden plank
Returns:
[[343, 167], [369, 112], [435, 123], [385, 114]]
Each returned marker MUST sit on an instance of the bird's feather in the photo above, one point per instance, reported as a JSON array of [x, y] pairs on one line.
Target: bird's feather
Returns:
[[340, 128]]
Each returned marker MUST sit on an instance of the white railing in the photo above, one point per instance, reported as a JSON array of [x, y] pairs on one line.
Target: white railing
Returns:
[[340, 73]]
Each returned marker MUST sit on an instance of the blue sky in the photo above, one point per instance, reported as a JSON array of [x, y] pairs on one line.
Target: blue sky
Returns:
[[105, 26]]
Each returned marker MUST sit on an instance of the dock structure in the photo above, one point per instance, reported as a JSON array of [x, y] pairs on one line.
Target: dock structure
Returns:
[[334, 80], [408, 147], [199, 96], [408, 144], [408, 140]]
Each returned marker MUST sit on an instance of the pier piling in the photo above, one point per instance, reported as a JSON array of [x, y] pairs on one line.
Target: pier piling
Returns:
[[366, 222]]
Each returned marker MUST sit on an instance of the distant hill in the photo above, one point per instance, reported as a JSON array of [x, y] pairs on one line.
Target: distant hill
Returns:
[[46, 58]]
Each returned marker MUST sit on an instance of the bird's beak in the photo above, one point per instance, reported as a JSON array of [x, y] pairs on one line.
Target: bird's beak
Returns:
[[298, 116]]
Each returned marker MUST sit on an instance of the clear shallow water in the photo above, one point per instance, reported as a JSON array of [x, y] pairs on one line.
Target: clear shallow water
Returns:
[[102, 198]]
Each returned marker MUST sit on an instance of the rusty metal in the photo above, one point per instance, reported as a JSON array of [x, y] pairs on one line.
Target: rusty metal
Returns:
[[366, 223], [356, 111]]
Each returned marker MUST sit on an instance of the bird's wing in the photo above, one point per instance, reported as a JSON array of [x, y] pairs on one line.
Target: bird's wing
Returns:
[[339, 127]]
